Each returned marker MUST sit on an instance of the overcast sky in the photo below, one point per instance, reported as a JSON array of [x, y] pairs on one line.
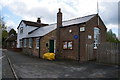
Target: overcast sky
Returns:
[[16, 10]]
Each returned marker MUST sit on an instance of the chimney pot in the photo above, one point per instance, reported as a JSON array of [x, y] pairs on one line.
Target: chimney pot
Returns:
[[59, 9], [38, 20]]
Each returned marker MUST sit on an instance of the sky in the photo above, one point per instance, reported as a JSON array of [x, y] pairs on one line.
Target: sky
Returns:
[[14, 11]]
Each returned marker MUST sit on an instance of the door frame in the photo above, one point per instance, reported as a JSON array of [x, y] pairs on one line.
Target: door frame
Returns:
[[54, 45]]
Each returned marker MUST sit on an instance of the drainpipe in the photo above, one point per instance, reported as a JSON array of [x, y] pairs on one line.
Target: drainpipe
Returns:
[[78, 43], [39, 46]]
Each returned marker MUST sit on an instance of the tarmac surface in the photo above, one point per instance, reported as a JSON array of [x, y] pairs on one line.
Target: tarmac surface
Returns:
[[32, 67], [6, 69]]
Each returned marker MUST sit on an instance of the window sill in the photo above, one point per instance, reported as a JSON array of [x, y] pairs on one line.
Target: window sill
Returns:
[[37, 47], [30, 47], [94, 48]]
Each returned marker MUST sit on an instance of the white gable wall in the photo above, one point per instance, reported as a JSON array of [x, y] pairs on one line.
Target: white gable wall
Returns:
[[26, 30]]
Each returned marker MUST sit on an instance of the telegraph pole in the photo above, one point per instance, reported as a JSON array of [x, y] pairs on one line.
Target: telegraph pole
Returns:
[[98, 11]]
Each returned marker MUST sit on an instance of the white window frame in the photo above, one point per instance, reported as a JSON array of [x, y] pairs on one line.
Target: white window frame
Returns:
[[30, 42], [21, 30], [37, 43], [21, 43], [96, 37]]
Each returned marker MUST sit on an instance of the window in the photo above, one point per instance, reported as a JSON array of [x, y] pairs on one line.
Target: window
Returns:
[[20, 43], [65, 45], [13, 43], [68, 45], [96, 37], [21, 29], [30, 42], [25, 42], [37, 43]]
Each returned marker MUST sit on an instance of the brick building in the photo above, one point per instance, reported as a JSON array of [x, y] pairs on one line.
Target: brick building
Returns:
[[67, 39]]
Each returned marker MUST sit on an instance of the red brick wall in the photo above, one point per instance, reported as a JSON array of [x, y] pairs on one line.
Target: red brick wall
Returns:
[[65, 35], [90, 31]]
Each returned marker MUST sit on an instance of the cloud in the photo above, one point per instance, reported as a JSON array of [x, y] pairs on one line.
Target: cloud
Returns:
[[10, 24], [114, 28], [111, 26], [108, 0], [0, 8], [6, 16], [47, 9], [109, 12]]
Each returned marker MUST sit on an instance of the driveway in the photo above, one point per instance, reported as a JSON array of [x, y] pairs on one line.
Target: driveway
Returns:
[[33, 67]]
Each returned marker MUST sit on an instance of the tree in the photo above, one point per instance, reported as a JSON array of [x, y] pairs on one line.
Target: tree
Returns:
[[111, 37], [0, 33], [3, 33]]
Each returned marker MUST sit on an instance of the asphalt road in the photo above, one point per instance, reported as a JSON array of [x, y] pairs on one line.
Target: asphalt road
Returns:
[[33, 67], [6, 69]]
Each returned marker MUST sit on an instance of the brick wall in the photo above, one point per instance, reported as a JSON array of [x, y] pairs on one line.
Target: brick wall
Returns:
[[45, 39], [31, 51], [65, 35], [43, 48], [90, 31]]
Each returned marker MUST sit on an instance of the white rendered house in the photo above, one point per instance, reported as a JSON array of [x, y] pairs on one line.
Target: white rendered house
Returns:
[[25, 27]]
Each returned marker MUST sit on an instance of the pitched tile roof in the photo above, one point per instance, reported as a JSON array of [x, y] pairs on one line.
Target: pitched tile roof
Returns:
[[42, 31], [45, 30], [34, 24], [78, 20], [12, 37]]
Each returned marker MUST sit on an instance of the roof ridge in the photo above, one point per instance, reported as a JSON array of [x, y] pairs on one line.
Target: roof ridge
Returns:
[[40, 27], [78, 18], [32, 22], [33, 30]]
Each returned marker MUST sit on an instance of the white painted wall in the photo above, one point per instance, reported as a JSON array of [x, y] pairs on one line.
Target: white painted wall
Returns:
[[26, 30]]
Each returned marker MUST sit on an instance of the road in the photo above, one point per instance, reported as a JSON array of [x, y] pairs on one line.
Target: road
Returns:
[[6, 69], [32, 67]]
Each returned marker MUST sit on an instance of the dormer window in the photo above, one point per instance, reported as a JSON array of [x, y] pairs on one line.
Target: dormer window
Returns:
[[21, 29]]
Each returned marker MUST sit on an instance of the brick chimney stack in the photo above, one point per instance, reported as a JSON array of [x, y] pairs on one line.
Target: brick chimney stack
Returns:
[[59, 24], [38, 20], [59, 18]]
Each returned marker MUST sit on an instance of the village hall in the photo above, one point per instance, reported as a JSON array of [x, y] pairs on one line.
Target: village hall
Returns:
[[68, 39]]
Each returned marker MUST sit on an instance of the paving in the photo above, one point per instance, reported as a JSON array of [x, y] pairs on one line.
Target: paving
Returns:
[[33, 67]]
